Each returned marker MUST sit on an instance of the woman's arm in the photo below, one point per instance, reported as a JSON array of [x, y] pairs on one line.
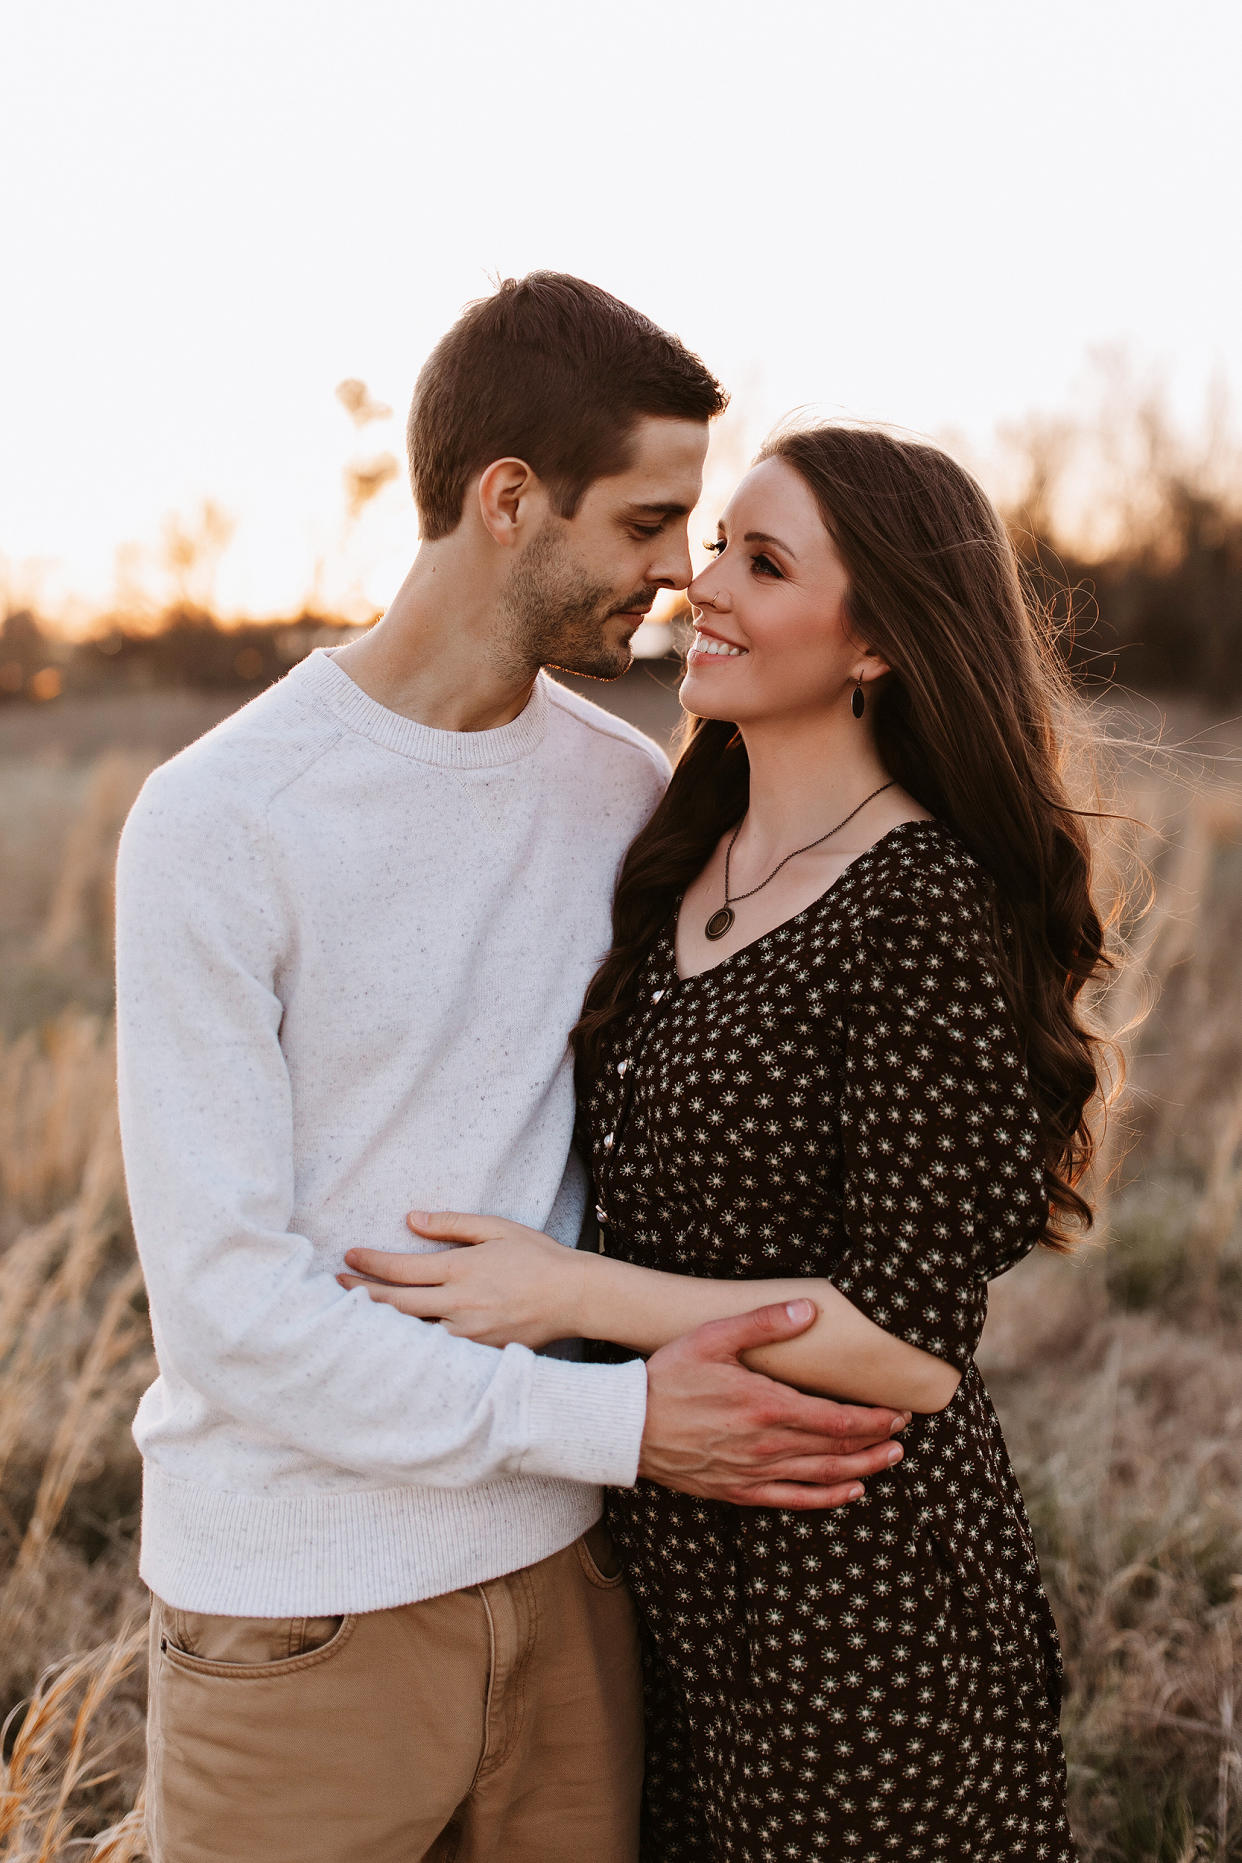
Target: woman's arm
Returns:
[[515, 1284], [842, 1354]]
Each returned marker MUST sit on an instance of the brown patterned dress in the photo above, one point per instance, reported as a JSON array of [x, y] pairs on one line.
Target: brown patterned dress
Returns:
[[844, 1097]]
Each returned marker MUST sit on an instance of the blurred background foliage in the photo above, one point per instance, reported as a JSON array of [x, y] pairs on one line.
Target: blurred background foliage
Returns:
[[1130, 526], [1117, 1374]]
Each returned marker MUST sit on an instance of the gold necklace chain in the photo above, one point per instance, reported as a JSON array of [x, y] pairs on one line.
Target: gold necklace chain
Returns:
[[722, 919]]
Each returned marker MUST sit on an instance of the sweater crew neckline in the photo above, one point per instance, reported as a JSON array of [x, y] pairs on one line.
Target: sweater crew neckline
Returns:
[[331, 688]]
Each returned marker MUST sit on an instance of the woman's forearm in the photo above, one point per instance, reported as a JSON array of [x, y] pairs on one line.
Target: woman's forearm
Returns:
[[843, 1354]]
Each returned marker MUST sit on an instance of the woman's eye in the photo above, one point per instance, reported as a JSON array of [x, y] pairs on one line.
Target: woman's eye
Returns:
[[764, 566], [714, 544]]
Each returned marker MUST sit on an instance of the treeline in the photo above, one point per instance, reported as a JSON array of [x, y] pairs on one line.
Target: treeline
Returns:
[[1160, 613], [1165, 616], [1131, 533], [186, 647]]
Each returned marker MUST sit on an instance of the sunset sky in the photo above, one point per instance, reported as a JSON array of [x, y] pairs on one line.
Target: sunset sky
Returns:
[[925, 213]]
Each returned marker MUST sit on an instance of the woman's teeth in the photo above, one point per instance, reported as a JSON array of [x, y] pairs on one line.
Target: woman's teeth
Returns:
[[703, 643]]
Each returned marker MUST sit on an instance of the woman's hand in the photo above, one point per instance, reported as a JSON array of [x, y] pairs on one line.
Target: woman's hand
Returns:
[[509, 1285]]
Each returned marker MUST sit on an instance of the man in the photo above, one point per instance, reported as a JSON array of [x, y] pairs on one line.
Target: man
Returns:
[[355, 923]]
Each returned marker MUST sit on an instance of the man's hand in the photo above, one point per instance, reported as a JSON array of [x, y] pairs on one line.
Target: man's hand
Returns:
[[716, 1429]]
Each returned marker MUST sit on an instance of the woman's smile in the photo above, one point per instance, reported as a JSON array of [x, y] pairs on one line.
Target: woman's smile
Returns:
[[709, 646]]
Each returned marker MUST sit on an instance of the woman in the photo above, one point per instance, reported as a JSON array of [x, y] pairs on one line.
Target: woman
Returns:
[[836, 1045]]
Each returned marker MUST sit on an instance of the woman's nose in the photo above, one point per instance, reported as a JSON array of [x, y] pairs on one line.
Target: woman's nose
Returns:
[[701, 594]]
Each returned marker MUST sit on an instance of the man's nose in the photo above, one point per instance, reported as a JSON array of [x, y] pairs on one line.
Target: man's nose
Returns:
[[674, 569]]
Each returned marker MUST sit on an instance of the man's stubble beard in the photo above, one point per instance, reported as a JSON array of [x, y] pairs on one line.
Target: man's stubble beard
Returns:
[[556, 615]]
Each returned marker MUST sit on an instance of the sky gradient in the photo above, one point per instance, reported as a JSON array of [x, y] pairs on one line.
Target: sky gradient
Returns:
[[211, 214]]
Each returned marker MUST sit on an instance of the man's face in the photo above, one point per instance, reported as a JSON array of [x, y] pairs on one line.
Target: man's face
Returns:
[[576, 595]]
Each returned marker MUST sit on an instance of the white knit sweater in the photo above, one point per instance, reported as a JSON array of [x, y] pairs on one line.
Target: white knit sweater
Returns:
[[349, 951]]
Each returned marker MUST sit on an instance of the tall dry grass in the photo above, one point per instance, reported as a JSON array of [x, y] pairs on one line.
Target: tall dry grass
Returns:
[[74, 1345], [1117, 1374]]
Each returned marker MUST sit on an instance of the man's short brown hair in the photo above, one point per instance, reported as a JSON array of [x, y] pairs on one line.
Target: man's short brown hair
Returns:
[[551, 370]]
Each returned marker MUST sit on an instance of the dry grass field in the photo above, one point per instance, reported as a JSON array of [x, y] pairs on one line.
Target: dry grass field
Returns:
[[1118, 1374]]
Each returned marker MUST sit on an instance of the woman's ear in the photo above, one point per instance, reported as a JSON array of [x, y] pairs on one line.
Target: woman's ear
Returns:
[[506, 491], [871, 664]]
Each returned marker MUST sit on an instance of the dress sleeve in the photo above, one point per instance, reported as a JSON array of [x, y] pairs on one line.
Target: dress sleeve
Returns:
[[943, 1175]]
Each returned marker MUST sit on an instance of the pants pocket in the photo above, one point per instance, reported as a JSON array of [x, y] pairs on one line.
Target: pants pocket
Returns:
[[599, 1557], [207, 1644]]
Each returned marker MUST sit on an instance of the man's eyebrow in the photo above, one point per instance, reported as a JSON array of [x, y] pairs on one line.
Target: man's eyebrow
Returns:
[[761, 536], [658, 510]]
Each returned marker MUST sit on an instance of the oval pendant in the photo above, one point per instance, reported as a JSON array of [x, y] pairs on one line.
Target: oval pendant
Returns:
[[719, 923]]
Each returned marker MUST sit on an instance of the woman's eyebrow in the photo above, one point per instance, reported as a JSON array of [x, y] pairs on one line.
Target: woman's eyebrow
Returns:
[[761, 536]]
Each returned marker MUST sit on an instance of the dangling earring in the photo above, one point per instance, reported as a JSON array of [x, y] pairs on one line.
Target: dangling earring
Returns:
[[858, 703]]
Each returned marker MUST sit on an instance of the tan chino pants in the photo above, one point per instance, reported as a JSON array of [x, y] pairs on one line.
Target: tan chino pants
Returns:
[[499, 1724]]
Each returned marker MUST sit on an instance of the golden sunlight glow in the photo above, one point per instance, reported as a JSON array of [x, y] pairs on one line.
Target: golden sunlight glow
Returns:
[[217, 215]]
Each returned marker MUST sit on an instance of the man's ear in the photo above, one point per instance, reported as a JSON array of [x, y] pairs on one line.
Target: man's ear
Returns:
[[508, 491]]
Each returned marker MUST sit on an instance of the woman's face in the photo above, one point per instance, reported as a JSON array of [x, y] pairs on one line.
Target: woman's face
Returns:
[[775, 592]]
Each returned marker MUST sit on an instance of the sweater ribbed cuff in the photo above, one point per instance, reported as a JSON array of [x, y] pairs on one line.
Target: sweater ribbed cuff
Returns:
[[585, 1422]]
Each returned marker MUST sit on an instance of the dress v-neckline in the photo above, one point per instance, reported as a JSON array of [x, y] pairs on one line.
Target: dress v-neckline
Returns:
[[786, 925]]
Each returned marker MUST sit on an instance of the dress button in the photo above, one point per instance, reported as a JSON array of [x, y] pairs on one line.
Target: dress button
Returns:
[[656, 995], [601, 1214], [621, 1066], [608, 1141]]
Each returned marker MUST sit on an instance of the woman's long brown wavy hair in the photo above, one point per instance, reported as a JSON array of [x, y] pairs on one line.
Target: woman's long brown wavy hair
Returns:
[[976, 721]]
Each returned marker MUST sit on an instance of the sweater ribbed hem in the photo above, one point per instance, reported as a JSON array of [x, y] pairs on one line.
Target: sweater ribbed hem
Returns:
[[324, 683], [320, 1555]]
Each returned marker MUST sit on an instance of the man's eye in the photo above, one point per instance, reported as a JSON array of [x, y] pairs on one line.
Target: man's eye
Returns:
[[646, 530], [764, 566], [714, 544]]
